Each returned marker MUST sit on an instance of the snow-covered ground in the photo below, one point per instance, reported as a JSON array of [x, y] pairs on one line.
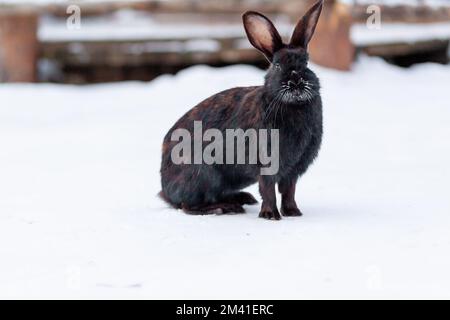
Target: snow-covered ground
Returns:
[[136, 25], [391, 33], [133, 25], [431, 3], [437, 3], [79, 216]]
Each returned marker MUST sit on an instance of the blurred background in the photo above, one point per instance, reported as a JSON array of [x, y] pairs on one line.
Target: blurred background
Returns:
[[92, 41], [80, 163]]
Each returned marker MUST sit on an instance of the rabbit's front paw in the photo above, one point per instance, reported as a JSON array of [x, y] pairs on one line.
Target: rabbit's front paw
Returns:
[[270, 214], [291, 212]]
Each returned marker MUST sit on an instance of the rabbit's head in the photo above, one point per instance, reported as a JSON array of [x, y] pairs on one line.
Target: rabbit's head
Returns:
[[288, 77]]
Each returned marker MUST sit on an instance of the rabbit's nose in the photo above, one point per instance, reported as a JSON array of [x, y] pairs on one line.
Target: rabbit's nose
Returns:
[[295, 77]]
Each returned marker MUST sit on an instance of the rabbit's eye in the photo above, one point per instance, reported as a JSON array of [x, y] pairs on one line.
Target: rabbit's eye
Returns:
[[277, 66]]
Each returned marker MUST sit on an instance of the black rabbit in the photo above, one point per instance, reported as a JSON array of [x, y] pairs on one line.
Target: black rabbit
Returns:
[[288, 101]]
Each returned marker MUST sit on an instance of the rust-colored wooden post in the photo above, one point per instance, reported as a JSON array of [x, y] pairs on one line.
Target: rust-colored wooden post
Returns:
[[18, 44], [331, 45]]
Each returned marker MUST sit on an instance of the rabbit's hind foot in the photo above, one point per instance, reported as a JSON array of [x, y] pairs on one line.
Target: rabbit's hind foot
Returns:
[[240, 198], [215, 208]]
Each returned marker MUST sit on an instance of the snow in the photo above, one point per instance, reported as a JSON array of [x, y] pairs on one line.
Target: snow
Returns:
[[134, 25], [431, 3], [390, 33], [385, 2], [197, 45], [53, 2], [79, 215], [129, 25]]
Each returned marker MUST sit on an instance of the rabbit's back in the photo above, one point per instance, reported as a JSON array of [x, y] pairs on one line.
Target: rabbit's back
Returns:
[[228, 109], [236, 108]]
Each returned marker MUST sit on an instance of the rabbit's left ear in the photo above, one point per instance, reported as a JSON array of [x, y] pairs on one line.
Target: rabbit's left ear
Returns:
[[262, 34], [305, 28]]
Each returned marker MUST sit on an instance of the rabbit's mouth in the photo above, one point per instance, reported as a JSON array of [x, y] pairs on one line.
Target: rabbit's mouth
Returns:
[[298, 92]]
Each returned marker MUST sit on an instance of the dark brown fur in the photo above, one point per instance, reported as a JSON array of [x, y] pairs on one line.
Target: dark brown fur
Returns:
[[203, 189]]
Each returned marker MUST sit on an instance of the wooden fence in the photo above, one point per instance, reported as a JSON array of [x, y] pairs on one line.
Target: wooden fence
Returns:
[[109, 60]]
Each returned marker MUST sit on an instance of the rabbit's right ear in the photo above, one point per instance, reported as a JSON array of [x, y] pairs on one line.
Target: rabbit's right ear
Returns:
[[305, 28], [262, 34]]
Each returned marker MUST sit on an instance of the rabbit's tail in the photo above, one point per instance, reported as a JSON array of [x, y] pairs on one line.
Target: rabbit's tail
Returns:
[[232, 203]]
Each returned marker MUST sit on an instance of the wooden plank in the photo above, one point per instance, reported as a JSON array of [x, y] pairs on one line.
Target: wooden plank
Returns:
[[404, 13], [18, 45], [331, 45], [134, 53], [402, 49], [173, 6]]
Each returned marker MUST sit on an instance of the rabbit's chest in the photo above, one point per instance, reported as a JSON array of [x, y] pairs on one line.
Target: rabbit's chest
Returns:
[[293, 142], [298, 137]]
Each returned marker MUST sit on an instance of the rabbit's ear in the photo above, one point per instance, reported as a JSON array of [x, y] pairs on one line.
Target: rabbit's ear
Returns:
[[262, 33], [304, 30]]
